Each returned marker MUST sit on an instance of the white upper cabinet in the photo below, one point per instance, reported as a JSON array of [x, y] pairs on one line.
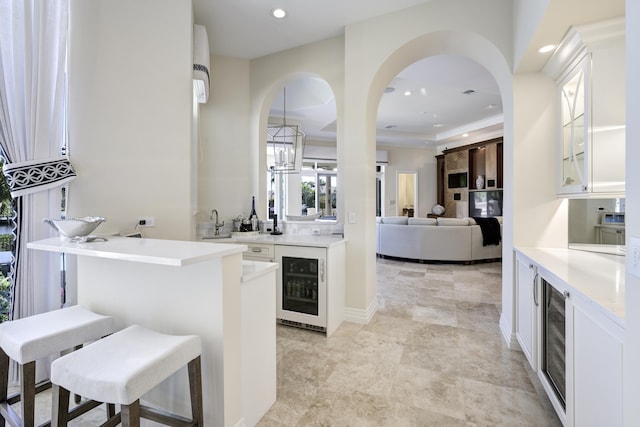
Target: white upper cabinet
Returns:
[[589, 68]]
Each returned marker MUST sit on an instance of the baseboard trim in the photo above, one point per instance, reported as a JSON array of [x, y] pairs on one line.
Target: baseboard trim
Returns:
[[508, 334], [363, 317]]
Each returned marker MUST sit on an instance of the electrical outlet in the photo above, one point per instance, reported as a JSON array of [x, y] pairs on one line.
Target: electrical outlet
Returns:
[[146, 221]]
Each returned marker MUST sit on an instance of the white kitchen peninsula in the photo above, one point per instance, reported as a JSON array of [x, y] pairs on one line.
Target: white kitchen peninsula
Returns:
[[174, 287]]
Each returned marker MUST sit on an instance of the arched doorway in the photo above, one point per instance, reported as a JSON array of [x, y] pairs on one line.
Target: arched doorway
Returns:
[[362, 82]]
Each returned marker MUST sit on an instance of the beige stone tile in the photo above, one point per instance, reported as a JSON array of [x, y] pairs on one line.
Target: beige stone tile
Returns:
[[490, 405], [438, 315], [438, 392], [363, 373]]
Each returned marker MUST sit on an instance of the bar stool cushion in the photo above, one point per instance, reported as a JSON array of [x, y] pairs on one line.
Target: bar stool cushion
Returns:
[[34, 337], [122, 367]]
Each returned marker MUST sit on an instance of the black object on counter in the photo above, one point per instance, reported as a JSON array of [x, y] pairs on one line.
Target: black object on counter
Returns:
[[275, 231]]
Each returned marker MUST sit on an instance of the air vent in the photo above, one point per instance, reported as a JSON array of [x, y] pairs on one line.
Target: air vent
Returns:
[[390, 126], [468, 92]]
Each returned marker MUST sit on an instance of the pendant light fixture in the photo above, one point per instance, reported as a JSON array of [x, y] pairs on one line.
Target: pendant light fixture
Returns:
[[286, 143]]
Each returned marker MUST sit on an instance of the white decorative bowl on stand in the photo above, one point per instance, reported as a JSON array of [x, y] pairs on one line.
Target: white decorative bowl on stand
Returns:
[[76, 229]]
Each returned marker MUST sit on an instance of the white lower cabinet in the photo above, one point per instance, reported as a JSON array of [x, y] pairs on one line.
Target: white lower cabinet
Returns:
[[593, 343], [528, 300], [597, 367]]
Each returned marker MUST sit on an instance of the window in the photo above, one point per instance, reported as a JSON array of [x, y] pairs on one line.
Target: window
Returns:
[[319, 189]]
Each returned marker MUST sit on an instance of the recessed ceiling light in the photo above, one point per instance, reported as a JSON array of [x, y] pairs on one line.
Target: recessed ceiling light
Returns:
[[491, 106], [423, 91], [546, 49], [407, 93], [437, 125], [278, 13], [465, 135]]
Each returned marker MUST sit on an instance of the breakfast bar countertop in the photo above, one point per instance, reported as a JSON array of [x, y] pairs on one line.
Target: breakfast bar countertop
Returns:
[[151, 251]]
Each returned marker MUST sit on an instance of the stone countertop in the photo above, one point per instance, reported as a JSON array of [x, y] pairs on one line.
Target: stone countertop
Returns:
[[254, 269], [151, 251], [598, 277], [325, 241]]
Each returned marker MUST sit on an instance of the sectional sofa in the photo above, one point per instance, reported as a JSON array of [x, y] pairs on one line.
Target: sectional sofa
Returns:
[[431, 239]]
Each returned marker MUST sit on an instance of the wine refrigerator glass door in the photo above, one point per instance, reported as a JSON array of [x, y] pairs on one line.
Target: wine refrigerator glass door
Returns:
[[302, 286], [553, 357]]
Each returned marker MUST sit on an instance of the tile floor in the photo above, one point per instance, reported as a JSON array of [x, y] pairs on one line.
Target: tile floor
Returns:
[[433, 355]]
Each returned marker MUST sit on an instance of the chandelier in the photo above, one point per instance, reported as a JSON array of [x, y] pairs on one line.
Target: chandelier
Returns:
[[286, 144]]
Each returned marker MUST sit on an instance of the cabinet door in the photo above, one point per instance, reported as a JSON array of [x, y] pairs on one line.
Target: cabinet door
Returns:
[[575, 129], [597, 368], [527, 313]]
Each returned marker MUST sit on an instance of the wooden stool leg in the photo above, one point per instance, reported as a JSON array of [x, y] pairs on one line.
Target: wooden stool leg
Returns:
[[130, 414], [4, 379], [195, 388], [111, 410], [60, 406], [76, 397], [28, 393]]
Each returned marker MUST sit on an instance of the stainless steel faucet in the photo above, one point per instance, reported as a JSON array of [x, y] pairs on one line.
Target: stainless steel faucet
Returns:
[[217, 225]]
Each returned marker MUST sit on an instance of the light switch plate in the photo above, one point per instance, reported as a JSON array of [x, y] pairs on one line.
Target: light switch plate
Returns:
[[633, 257], [352, 217]]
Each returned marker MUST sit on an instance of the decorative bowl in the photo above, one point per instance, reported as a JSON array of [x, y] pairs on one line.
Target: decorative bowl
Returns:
[[75, 228]]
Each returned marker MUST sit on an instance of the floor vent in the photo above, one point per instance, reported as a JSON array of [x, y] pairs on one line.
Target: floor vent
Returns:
[[302, 325]]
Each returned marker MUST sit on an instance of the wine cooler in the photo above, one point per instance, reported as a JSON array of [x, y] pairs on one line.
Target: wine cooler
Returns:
[[554, 345], [302, 287]]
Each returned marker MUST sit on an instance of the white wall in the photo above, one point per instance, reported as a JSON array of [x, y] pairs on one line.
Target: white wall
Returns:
[[632, 284], [420, 160], [541, 217], [130, 105], [224, 152]]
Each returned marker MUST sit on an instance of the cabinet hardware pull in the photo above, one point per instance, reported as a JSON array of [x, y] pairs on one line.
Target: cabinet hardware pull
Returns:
[[322, 270], [565, 294], [256, 250], [535, 289]]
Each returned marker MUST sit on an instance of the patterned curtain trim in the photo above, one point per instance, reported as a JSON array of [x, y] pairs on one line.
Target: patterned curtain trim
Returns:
[[37, 175]]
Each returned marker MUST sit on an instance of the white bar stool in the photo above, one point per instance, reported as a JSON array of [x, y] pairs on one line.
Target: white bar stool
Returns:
[[121, 368], [35, 337]]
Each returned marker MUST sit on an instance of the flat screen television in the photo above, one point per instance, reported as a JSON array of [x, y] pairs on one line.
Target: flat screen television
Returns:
[[458, 180]]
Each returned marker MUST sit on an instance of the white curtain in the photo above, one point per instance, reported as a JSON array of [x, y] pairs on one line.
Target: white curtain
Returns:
[[33, 37]]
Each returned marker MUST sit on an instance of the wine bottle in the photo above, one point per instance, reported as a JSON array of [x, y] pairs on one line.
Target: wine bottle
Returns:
[[253, 216]]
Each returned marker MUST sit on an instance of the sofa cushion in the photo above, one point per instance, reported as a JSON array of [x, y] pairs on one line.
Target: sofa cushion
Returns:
[[453, 221], [402, 220], [423, 221]]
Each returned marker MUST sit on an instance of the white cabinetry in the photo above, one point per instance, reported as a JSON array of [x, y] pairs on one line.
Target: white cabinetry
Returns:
[[597, 367], [528, 298], [589, 68], [259, 252], [574, 343]]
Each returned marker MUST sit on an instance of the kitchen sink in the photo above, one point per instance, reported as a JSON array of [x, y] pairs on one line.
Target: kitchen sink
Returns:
[[217, 236]]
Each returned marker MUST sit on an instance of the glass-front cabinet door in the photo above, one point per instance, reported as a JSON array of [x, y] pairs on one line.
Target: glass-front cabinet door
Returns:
[[575, 130]]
